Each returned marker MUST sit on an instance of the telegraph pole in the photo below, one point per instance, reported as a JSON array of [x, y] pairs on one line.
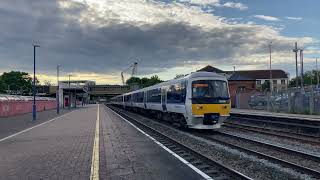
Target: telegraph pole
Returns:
[[295, 50], [57, 93], [270, 50], [301, 61], [317, 72]]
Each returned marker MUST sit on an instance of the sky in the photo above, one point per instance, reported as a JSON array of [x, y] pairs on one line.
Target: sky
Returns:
[[98, 39]]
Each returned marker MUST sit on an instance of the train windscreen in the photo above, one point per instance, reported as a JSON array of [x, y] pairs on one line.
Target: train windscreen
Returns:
[[209, 91]]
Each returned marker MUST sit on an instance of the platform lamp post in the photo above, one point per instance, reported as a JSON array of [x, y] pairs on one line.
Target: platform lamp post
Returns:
[[69, 105], [57, 93], [34, 107]]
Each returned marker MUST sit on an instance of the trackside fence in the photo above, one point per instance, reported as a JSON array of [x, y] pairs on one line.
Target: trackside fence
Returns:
[[14, 105], [294, 100]]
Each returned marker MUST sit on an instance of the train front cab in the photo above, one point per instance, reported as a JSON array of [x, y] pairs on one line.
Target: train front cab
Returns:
[[208, 103]]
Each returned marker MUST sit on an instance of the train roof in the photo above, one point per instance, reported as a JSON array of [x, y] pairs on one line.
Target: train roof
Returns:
[[189, 76]]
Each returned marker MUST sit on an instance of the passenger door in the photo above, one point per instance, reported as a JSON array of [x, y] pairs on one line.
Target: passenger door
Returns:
[[164, 98]]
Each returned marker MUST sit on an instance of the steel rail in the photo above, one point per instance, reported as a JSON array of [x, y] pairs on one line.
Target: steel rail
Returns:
[[273, 132], [285, 163], [229, 171], [270, 145]]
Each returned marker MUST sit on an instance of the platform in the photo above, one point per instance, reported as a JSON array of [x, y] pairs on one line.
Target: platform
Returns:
[[14, 124], [275, 115], [131, 155], [63, 148]]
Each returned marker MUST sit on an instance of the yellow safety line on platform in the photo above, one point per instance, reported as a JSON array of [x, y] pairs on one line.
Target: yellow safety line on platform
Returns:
[[95, 153]]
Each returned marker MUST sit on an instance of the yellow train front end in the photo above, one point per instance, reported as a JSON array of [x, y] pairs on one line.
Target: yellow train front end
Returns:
[[210, 104]]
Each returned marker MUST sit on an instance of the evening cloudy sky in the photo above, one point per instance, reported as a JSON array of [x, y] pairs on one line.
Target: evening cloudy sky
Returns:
[[97, 39]]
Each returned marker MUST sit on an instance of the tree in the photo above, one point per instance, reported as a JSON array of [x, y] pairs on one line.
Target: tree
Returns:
[[2, 86], [309, 78], [133, 81], [179, 76], [265, 86], [153, 80], [144, 82], [16, 82], [47, 83]]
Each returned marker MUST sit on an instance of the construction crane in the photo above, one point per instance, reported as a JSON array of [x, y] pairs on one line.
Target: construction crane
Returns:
[[133, 68]]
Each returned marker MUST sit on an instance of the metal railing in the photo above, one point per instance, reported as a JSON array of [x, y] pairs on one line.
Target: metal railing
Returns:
[[294, 100]]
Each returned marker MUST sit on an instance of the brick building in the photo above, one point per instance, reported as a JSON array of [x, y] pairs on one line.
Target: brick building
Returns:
[[251, 80]]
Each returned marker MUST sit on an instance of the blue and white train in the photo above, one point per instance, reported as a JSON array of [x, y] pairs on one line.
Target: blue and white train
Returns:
[[199, 100]]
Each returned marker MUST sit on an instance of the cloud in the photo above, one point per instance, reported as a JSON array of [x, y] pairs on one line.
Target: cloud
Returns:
[[201, 2], [267, 18], [104, 37], [216, 3], [294, 18], [239, 6]]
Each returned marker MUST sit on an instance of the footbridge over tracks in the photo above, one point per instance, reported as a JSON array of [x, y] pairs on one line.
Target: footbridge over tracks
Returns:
[[105, 92]]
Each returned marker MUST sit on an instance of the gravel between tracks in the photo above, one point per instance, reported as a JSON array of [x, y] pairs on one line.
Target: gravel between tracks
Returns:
[[275, 127], [292, 144], [266, 150], [250, 165]]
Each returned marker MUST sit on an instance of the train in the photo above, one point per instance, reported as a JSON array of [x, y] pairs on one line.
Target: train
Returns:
[[200, 100]]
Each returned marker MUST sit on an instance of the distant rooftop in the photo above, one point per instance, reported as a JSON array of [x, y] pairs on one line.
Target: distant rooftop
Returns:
[[211, 69], [261, 74], [248, 74]]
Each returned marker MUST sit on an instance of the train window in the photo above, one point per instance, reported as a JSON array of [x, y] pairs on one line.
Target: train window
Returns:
[[134, 97], [154, 95], [176, 93], [127, 98], [209, 91], [140, 97]]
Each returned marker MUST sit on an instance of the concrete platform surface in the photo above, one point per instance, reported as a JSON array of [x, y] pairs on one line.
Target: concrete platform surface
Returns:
[[14, 124], [59, 149], [63, 149], [274, 114], [131, 155]]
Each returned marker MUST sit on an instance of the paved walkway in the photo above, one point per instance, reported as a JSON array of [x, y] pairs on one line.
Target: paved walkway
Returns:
[[11, 125], [63, 149], [60, 149], [131, 155]]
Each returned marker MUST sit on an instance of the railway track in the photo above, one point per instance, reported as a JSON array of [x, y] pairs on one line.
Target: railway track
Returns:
[[212, 168], [304, 138], [287, 163], [312, 170], [293, 126]]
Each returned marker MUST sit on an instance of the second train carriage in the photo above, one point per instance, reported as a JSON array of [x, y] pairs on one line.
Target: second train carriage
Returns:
[[200, 100]]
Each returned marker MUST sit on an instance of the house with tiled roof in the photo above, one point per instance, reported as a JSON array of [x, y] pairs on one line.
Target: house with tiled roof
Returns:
[[280, 78], [251, 80]]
